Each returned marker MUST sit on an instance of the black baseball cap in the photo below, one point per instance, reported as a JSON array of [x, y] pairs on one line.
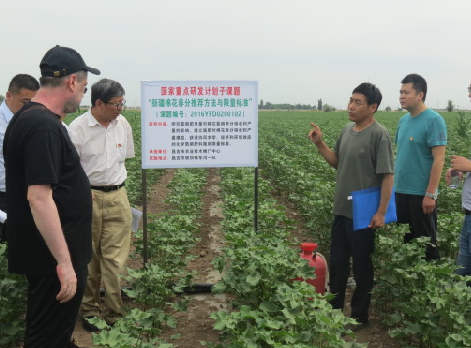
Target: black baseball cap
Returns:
[[61, 61]]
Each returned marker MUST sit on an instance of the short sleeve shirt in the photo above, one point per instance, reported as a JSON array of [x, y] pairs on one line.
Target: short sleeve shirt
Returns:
[[415, 138], [466, 193], [363, 159], [103, 150], [38, 151]]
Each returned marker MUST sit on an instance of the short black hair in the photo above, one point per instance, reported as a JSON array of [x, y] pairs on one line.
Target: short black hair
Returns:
[[418, 83], [371, 92], [105, 89], [53, 82], [23, 81]]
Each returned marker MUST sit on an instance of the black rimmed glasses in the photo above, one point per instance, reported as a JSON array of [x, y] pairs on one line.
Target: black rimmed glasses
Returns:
[[121, 105]]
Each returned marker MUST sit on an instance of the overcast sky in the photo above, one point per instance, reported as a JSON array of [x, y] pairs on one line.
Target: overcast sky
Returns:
[[297, 50]]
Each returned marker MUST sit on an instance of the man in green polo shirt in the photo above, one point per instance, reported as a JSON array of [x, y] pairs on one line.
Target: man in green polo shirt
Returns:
[[363, 158]]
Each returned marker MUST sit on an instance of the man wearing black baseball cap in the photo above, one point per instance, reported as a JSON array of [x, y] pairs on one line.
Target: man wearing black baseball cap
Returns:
[[61, 61], [49, 202]]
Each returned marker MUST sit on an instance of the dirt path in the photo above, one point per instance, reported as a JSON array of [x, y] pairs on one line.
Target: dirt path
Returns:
[[155, 204], [196, 324]]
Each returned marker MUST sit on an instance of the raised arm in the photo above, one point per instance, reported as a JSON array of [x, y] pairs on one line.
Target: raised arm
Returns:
[[315, 134]]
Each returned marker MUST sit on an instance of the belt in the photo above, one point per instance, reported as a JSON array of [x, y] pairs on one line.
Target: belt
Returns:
[[467, 212], [108, 188]]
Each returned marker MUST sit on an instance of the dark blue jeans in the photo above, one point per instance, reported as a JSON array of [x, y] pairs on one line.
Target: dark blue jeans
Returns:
[[464, 255], [357, 245]]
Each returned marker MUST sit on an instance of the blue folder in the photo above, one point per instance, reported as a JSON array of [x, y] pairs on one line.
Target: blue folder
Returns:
[[365, 203]]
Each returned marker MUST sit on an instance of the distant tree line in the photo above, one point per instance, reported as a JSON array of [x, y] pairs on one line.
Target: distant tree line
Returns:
[[322, 107], [285, 106]]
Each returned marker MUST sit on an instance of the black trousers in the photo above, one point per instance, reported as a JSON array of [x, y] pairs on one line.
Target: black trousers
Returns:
[[409, 211], [357, 245], [49, 323]]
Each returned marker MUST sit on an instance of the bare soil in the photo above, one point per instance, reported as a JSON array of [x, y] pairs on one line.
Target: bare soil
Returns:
[[196, 325]]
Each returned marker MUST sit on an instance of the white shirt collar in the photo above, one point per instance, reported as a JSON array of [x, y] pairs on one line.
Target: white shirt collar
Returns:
[[92, 121]]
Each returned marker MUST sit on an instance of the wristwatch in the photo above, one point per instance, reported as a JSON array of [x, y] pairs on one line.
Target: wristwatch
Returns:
[[431, 195]]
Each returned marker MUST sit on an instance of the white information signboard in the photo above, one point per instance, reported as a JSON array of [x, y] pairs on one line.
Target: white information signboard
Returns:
[[190, 124]]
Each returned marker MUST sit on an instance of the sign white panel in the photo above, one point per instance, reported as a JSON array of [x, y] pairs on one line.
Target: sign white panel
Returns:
[[198, 124]]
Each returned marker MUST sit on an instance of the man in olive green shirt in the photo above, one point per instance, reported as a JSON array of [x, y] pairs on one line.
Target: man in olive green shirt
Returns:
[[363, 158]]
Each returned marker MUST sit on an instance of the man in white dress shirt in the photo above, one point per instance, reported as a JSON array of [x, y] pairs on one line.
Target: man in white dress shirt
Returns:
[[21, 90], [103, 139]]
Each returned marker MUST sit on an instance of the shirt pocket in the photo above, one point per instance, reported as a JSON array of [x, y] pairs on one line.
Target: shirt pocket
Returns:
[[121, 148]]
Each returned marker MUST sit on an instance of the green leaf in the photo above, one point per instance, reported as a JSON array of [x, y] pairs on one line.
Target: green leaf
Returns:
[[253, 279], [269, 307]]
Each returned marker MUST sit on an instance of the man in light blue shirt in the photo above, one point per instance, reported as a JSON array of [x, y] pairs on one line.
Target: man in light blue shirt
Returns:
[[21, 90]]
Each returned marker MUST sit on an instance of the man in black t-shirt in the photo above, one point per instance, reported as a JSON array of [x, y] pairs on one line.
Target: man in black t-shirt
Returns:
[[49, 202]]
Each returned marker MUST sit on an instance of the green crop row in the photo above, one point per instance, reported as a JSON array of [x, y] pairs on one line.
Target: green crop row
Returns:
[[258, 268], [422, 302]]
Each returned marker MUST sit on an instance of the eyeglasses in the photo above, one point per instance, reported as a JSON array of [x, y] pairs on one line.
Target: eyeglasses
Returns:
[[121, 105], [85, 89], [469, 89]]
